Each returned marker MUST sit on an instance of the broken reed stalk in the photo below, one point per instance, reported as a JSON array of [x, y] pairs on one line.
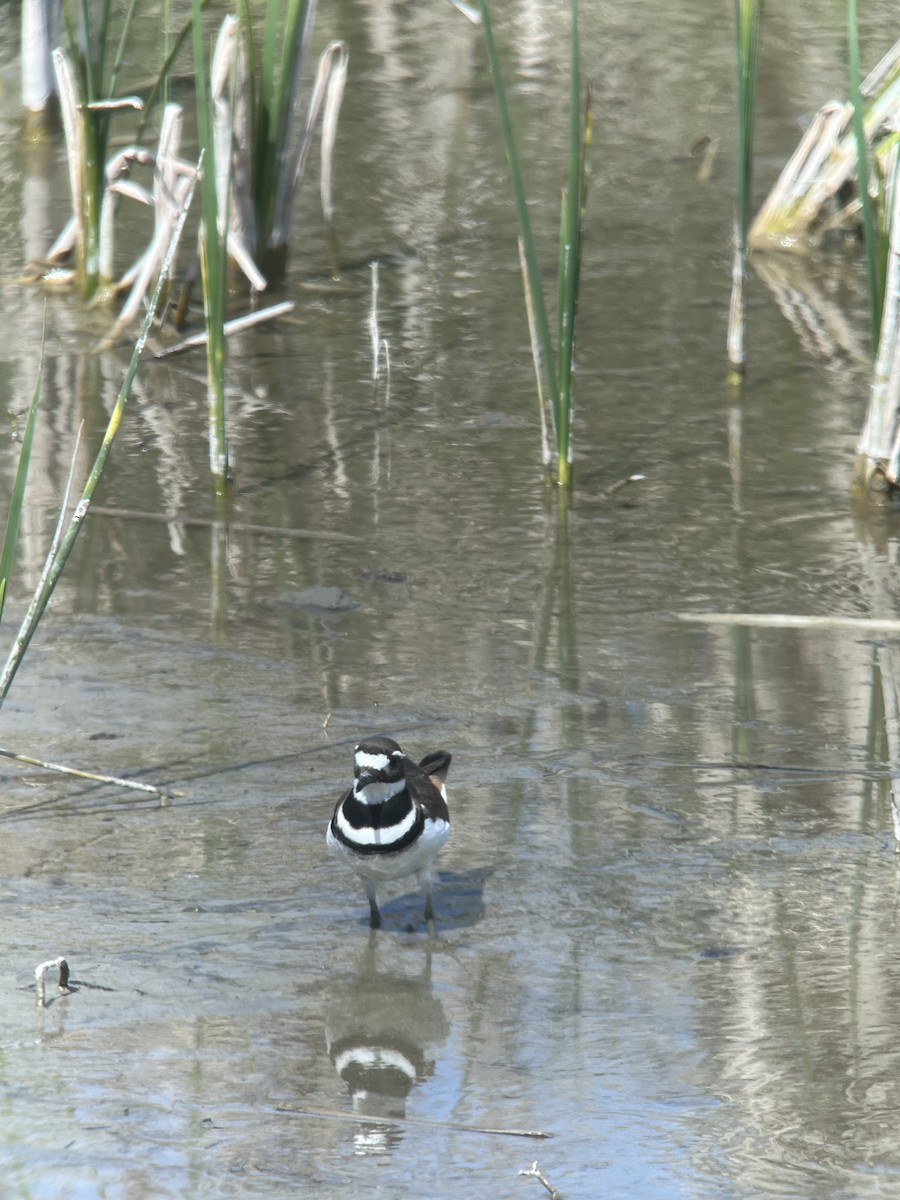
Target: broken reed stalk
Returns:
[[556, 366], [40, 33], [874, 274], [87, 103], [748, 16], [40, 976], [63, 545], [879, 443], [810, 197], [213, 246], [235, 325], [379, 345]]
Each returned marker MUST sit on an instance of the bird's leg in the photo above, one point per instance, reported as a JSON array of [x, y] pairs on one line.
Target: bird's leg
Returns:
[[374, 914], [425, 884]]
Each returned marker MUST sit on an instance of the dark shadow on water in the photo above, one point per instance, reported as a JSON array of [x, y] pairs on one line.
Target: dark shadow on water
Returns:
[[458, 903]]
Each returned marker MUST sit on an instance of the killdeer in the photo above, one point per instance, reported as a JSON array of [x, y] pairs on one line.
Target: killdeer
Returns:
[[394, 819]]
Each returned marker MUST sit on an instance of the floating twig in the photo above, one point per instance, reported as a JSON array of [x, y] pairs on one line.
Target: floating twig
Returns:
[[236, 325], [792, 621], [134, 102], [333, 1114], [536, 1173], [622, 483]]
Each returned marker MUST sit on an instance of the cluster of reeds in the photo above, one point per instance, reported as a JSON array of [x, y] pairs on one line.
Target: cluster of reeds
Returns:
[[816, 192], [70, 519], [879, 444], [554, 365], [844, 174], [255, 137], [254, 140], [255, 133]]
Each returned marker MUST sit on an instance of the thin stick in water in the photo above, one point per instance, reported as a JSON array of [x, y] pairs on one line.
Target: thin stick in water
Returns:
[[546, 453], [95, 776], [374, 333], [536, 1173]]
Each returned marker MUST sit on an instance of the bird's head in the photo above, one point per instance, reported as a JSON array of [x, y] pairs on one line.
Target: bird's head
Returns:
[[377, 768]]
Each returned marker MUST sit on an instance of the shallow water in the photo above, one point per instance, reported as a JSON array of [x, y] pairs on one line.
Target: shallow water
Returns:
[[667, 917]]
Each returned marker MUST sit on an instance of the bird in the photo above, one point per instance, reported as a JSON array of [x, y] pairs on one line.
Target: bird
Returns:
[[393, 820]]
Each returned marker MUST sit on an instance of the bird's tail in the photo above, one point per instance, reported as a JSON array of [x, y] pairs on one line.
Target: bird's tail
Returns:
[[436, 765]]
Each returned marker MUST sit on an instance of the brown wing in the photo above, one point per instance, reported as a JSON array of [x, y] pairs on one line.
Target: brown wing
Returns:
[[423, 783]]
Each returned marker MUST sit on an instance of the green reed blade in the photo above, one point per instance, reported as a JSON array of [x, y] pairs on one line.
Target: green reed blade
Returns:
[[874, 278], [574, 196], [542, 324], [17, 499], [748, 15], [102, 41], [165, 71], [120, 49], [571, 199], [281, 71], [86, 56]]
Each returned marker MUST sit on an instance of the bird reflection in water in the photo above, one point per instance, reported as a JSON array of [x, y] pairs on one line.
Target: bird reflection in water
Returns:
[[384, 1032]]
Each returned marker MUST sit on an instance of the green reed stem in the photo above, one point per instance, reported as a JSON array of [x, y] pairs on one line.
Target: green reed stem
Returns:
[[748, 25], [574, 203], [557, 369], [534, 274], [874, 271]]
